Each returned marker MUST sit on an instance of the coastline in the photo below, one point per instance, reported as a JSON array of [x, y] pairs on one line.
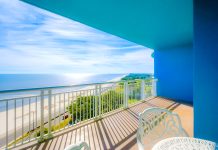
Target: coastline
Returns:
[[28, 111]]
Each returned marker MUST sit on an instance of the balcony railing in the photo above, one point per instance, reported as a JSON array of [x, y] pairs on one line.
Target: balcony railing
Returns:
[[36, 114]]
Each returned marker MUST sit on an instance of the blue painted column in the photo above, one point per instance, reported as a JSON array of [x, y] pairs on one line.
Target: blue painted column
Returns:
[[206, 69], [173, 68]]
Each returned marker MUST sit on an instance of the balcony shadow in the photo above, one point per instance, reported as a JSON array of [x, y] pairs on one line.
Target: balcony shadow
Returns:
[[116, 131]]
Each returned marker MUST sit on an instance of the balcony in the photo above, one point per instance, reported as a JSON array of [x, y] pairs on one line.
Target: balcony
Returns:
[[104, 115]]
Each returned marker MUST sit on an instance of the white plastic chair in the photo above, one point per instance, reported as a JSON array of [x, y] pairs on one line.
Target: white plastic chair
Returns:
[[156, 124], [79, 146]]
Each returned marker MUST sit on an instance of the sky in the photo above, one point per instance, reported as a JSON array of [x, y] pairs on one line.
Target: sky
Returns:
[[35, 41]]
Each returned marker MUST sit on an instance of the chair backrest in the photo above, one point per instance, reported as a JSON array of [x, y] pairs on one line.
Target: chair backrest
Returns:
[[78, 146], [185, 143], [156, 124]]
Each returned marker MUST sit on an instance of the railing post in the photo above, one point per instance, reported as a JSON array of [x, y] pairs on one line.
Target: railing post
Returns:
[[96, 100], [41, 139], [49, 113], [126, 94], [99, 100], [154, 87], [142, 89]]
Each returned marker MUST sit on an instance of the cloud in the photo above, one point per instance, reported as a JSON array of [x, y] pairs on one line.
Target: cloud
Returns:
[[37, 41]]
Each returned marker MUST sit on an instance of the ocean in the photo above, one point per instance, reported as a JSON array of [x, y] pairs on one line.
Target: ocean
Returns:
[[24, 81]]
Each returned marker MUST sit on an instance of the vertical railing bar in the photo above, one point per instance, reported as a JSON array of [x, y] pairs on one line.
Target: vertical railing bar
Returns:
[[134, 88], [107, 99], [72, 107], [135, 93], [103, 100], [142, 90], [6, 124], [90, 103], [22, 118], [68, 106], [29, 118], [120, 101], [76, 106], [93, 103], [111, 98], [55, 109], [49, 112], [59, 108], [15, 121], [64, 108], [42, 116], [114, 98], [99, 100], [80, 107], [96, 101], [131, 91], [154, 87], [119, 96], [84, 100], [126, 94], [123, 94], [36, 107], [109, 95], [87, 104], [122, 91]]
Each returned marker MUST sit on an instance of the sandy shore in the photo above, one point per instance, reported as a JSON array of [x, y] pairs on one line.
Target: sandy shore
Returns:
[[32, 114]]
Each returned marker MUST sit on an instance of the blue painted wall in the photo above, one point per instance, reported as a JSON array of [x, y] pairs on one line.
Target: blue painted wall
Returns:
[[174, 70], [206, 69]]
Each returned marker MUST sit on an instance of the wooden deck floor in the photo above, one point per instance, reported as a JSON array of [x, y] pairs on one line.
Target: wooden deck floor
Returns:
[[116, 131]]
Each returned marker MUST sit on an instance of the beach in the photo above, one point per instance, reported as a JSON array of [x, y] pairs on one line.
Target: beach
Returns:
[[12, 120]]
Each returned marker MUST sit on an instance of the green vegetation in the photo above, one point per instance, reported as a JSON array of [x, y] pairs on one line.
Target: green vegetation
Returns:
[[134, 76], [59, 126], [84, 106]]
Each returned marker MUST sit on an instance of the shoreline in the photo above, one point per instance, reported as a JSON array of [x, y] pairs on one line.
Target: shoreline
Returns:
[[32, 114]]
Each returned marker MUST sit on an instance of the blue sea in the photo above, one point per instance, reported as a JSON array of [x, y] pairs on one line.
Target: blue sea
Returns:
[[24, 81]]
